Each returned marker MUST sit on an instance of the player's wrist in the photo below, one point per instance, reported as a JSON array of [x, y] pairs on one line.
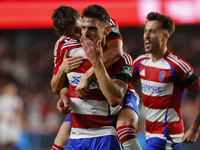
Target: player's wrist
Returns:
[[61, 71], [195, 130]]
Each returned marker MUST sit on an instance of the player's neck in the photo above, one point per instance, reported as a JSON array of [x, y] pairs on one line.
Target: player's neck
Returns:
[[159, 54]]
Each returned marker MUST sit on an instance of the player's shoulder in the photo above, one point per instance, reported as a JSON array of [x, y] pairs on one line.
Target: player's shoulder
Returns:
[[177, 61], [113, 23], [127, 58], [61, 40], [71, 43], [142, 57]]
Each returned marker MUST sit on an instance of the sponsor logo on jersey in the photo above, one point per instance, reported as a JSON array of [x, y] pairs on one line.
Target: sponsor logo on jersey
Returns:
[[129, 104], [94, 84], [162, 75], [188, 75], [142, 73], [114, 29], [151, 89], [127, 70], [75, 80]]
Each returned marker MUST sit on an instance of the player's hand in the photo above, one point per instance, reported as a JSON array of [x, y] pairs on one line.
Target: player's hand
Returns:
[[190, 136], [69, 64], [82, 88], [92, 50], [63, 105]]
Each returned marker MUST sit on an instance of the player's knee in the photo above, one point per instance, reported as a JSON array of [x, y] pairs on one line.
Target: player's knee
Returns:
[[132, 120]]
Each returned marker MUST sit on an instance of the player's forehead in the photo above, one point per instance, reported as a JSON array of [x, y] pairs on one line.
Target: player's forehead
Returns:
[[153, 25], [90, 22]]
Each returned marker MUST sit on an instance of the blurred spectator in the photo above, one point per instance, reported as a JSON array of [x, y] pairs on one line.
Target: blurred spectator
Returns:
[[11, 117]]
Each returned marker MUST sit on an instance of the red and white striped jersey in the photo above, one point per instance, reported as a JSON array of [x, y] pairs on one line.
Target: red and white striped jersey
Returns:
[[65, 42], [162, 93], [95, 113], [94, 117]]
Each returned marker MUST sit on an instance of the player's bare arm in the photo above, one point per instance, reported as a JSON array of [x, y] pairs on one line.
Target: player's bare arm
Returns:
[[68, 65], [113, 51], [63, 103], [191, 135]]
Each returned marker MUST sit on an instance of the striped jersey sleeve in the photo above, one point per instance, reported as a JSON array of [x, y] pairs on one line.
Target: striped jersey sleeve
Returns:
[[62, 45], [123, 66], [183, 69], [115, 32], [57, 53]]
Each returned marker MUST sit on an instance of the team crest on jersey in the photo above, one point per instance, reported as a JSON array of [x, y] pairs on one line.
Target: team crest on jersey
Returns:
[[115, 29], [162, 76], [127, 70]]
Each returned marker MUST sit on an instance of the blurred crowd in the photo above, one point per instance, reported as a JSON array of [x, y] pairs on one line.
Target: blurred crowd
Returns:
[[26, 60]]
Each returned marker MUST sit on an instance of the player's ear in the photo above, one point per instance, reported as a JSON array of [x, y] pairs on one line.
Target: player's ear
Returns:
[[165, 36], [107, 30]]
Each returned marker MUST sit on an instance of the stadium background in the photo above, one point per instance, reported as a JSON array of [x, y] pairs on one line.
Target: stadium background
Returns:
[[26, 55]]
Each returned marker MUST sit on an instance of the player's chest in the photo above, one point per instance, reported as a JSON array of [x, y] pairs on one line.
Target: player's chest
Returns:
[[156, 72]]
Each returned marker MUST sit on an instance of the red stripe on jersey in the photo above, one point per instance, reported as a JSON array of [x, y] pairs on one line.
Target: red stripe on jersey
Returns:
[[90, 121], [57, 54], [153, 74], [128, 59], [71, 46], [162, 102], [113, 23], [84, 66], [175, 127], [95, 95], [178, 64]]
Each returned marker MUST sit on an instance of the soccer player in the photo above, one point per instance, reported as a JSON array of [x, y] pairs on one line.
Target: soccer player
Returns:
[[91, 119], [129, 118], [164, 77]]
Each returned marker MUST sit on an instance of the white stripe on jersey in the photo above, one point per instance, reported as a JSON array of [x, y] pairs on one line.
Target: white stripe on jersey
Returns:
[[57, 43], [54, 148], [121, 132], [142, 56], [179, 62], [112, 23], [70, 44], [77, 52], [75, 77], [161, 63], [101, 107], [177, 138], [128, 59], [152, 88], [159, 115], [77, 133]]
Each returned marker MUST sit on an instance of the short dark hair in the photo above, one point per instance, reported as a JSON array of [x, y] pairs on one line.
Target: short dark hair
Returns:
[[63, 18], [97, 11], [167, 22]]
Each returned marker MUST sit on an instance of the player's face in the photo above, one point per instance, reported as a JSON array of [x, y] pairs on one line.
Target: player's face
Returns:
[[76, 30], [93, 29], [153, 37]]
